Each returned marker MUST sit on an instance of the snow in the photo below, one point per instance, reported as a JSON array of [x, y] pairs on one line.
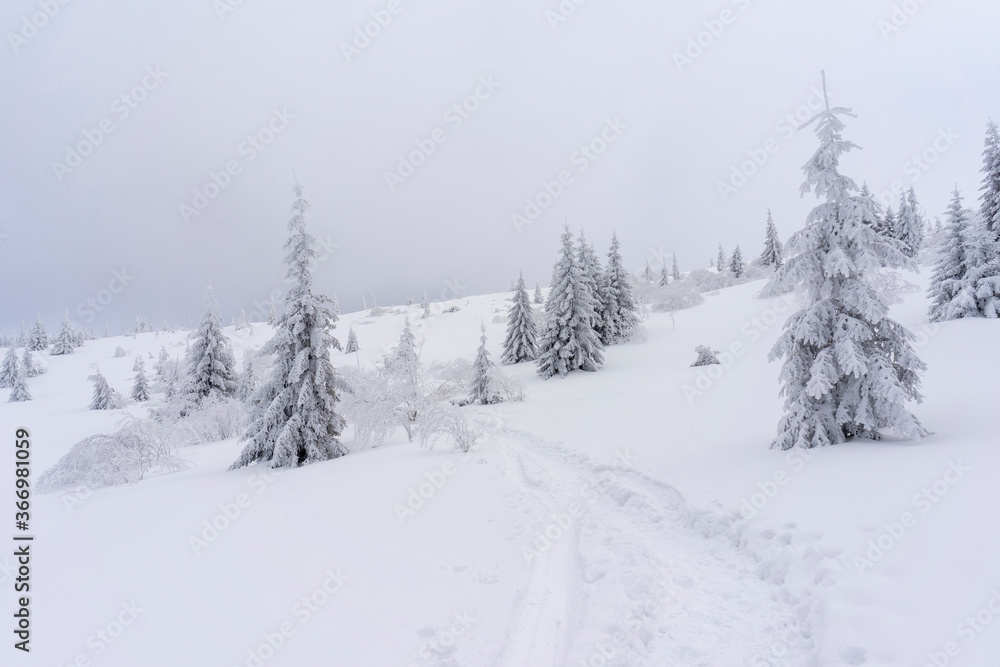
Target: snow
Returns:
[[638, 473]]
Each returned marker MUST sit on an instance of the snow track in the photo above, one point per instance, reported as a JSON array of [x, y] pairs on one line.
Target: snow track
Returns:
[[624, 572]]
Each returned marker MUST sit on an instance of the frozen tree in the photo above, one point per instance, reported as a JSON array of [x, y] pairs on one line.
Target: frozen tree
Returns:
[[9, 368], [676, 271], [425, 306], [569, 341], [162, 364], [706, 356], [248, 381], [848, 368], [984, 275], [664, 276], [772, 255], [107, 331], [521, 342], [736, 262], [65, 341], [30, 365], [335, 307], [19, 385], [483, 387], [538, 294], [949, 299], [242, 324], [720, 261], [909, 224], [593, 274], [352, 342], [140, 386], [37, 339], [210, 360], [622, 315], [272, 313], [886, 225], [982, 280], [648, 274], [364, 303], [990, 189], [293, 418], [105, 398]]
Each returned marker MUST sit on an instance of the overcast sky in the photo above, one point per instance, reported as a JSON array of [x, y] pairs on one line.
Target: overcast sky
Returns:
[[115, 115]]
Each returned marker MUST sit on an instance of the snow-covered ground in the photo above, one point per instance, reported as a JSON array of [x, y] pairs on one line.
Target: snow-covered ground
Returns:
[[634, 516]]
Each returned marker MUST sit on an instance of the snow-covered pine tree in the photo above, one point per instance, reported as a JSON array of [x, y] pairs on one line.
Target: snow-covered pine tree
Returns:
[[736, 265], [521, 341], [248, 381], [272, 313], [676, 271], [648, 274], [949, 299], [105, 398], [983, 280], [483, 386], [593, 273], [706, 356], [622, 316], [8, 369], [425, 306], [30, 365], [19, 384], [909, 224], [243, 324], [720, 261], [538, 294], [772, 255], [352, 342], [64, 342], [402, 374], [990, 188], [569, 341], [140, 386], [211, 367], [38, 339], [664, 276], [162, 364], [849, 369], [886, 225], [293, 418], [107, 331]]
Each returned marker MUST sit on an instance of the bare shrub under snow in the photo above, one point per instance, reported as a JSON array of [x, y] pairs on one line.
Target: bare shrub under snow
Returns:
[[447, 423]]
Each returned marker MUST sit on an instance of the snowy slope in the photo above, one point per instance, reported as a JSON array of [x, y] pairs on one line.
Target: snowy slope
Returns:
[[598, 523]]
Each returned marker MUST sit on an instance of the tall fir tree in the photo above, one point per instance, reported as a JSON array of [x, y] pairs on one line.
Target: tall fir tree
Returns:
[[648, 274], [64, 342], [676, 271], [949, 299], [425, 306], [569, 342], [720, 261], [140, 386], [848, 368], [984, 275], [272, 313], [402, 371], [19, 384], [293, 419], [909, 224], [38, 339], [622, 316], [664, 276], [593, 274], [210, 362], [990, 188], [8, 369], [538, 294], [736, 266], [483, 370], [352, 342], [773, 250], [521, 341], [248, 382]]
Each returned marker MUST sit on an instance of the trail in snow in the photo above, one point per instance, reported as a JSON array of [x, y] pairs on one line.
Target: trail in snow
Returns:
[[624, 572]]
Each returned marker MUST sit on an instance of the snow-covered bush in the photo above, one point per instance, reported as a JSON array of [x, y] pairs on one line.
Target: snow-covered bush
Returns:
[[678, 295], [120, 352], [706, 356], [137, 446], [447, 423]]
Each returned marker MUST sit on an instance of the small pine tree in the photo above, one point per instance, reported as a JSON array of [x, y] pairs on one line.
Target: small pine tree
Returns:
[[38, 339], [706, 356], [521, 342], [425, 305], [720, 261], [664, 276], [210, 359], [9, 368], [990, 188], [538, 294], [105, 398], [949, 299], [622, 316], [272, 313], [243, 324], [736, 263], [352, 342], [19, 385], [107, 331], [569, 342], [248, 381], [772, 255], [402, 371], [483, 386], [676, 271], [648, 274], [140, 386], [65, 342], [909, 224], [30, 365]]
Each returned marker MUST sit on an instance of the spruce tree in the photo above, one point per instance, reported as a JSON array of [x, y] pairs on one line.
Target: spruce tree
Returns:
[[293, 418], [38, 339], [105, 398], [648, 274], [272, 313], [949, 299], [720, 261], [8, 369], [521, 341], [64, 342], [140, 386], [425, 305], [483, 385], [211, 367], [402, 372], [622, 316], [352, 342], [990, 188], [19, 384], [984, 274], [676, 272], [569, 342], [538, 294], [664, 276], [597, 282], [849, 369], [886, 225], [248, 381], [736, 265], [909, 224], [29, 365], [772, 255]]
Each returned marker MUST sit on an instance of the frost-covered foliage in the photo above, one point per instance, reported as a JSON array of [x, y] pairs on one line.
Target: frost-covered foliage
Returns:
[[19, 385], [272, 312], [598, 283], [65, 341], [538, 294], [706, 356], [293, 418], [352, 342], [140, 386], [720, 261], [242, 325], [983, 280], [622, 312], [120, 352], [450, 424], [773, 254], [137, 447], [38, 339], [949, 298], [521, 343], [909, 226], [664, 276], [736, 265], [210, 363], [569, 341], [678, 295], [105, 398], [489, 384], [425, 307], [248, 382], [848, 369], [9, 368], [32, 367], [990, 188], [706, 280], [675, 272]]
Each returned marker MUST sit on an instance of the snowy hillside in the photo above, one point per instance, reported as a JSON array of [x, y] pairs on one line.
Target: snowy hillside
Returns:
[[634, 516]]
